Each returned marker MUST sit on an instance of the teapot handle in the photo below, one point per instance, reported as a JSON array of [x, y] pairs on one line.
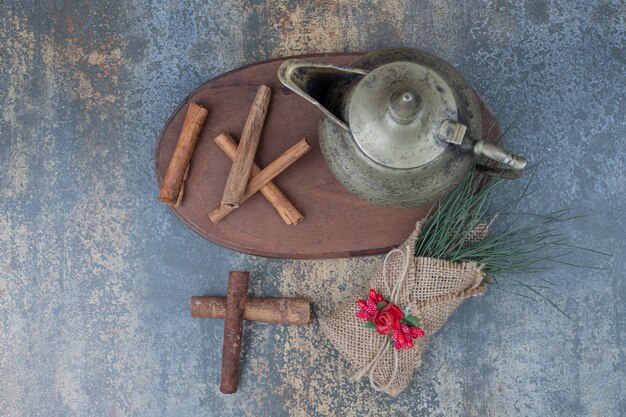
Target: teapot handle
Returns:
[[514, 164]]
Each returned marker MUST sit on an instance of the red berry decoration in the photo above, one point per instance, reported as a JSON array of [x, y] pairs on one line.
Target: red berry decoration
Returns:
[[388, 319]]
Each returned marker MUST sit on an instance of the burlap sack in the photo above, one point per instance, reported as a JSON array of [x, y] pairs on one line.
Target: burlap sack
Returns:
[[432, 288]]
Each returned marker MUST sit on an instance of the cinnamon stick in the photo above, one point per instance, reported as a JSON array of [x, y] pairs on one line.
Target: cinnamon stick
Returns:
[[287, 211], [233, 329], [259, 180], [242, 164], [171, 191], [290, 310]]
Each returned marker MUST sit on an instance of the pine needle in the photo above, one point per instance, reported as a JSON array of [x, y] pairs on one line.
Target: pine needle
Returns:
[[531, 245]]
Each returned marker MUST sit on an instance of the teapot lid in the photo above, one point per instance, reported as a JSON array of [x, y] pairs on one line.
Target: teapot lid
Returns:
[[396, 114]]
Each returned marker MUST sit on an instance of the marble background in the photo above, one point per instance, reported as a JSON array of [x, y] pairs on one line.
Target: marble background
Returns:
[[96, 275]]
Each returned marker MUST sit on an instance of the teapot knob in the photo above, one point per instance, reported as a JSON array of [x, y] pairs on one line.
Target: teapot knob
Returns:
[[404, 106]]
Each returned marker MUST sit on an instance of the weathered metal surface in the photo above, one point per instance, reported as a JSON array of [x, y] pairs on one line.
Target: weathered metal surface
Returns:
[[355, 144], [95, 274]]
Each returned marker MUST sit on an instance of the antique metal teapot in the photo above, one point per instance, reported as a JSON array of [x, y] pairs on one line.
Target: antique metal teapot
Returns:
[[399, 127]]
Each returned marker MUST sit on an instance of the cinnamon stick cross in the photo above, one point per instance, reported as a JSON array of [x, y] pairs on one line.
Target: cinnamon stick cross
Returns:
[[287, 211], [236, 307], [246, 178], [261, 177]]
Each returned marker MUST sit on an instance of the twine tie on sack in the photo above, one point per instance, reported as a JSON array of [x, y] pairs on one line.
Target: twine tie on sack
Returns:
[[371, 366]]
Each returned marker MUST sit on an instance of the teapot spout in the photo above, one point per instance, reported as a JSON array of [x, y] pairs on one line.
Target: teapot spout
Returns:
[[315, 83]]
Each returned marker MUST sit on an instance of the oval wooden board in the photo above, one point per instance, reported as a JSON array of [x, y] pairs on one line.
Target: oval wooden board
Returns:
[[336, 223]]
